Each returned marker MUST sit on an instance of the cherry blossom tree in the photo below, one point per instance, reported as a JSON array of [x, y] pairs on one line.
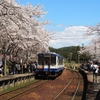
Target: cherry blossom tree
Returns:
[[20, 29], [93, 49]]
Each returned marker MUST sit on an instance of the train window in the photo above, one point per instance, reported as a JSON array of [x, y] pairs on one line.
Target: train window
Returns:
[[53, 59], [47, 60], [60, 62], [40, 59]]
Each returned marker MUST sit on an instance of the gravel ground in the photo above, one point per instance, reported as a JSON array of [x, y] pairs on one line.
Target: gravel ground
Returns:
[[50, 90]]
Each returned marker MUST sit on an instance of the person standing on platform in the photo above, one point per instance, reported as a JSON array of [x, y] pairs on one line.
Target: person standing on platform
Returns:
[[19, 68], [95, 68], [25, 68], [1, 71]]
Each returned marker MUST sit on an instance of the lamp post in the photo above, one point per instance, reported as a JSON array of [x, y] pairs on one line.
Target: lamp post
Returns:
[[78, 58], [70, 57]]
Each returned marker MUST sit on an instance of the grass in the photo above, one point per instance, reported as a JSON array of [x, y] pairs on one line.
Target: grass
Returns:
[[18, 86], [74, 65]]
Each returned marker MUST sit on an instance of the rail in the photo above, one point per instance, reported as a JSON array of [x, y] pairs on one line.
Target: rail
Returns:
[[70, 83], [17, 92]]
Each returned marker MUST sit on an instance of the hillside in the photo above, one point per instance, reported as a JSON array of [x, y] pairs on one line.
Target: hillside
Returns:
[[70, 53]]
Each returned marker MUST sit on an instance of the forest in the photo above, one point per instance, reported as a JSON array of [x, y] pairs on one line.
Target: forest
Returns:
[[71, 54]]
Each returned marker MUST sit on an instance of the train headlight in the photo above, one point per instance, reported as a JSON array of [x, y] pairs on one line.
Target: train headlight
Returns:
[[40, 67]]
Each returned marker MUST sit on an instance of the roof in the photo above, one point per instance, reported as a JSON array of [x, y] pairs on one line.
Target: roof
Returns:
[[51, 53]]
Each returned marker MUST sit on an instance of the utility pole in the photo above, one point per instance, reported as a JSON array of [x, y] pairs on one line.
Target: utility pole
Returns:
[[70, 57]]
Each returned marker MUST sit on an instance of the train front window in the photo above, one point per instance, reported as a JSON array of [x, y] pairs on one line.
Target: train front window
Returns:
[[40, 59], [53, 59], [47, 60]]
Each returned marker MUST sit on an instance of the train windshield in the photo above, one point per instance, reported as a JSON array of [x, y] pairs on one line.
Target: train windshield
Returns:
[[40, 59], [44, 59], [47, 59]]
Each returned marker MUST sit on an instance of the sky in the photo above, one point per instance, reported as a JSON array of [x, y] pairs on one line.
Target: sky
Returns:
[[69, 20]]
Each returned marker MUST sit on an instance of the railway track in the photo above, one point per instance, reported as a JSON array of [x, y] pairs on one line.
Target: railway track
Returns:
[[17, 92], [70, 90], [65, 87]]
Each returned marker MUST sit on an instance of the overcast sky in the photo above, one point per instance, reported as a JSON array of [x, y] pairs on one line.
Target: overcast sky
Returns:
[[69, 19]]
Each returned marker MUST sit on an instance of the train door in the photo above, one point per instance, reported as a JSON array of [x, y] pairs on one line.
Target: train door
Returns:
[[47, 61]]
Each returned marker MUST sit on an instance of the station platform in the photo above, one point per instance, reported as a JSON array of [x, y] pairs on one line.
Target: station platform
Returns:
[[7, 77], [93, 85], [14, 80]]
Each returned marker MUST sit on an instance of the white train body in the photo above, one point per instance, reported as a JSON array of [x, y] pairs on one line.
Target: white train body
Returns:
[[49, 63]]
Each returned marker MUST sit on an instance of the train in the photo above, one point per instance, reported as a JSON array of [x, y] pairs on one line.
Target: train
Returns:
[[49, 64]]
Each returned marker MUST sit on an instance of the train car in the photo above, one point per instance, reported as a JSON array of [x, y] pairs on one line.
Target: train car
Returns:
[[49, 64]]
